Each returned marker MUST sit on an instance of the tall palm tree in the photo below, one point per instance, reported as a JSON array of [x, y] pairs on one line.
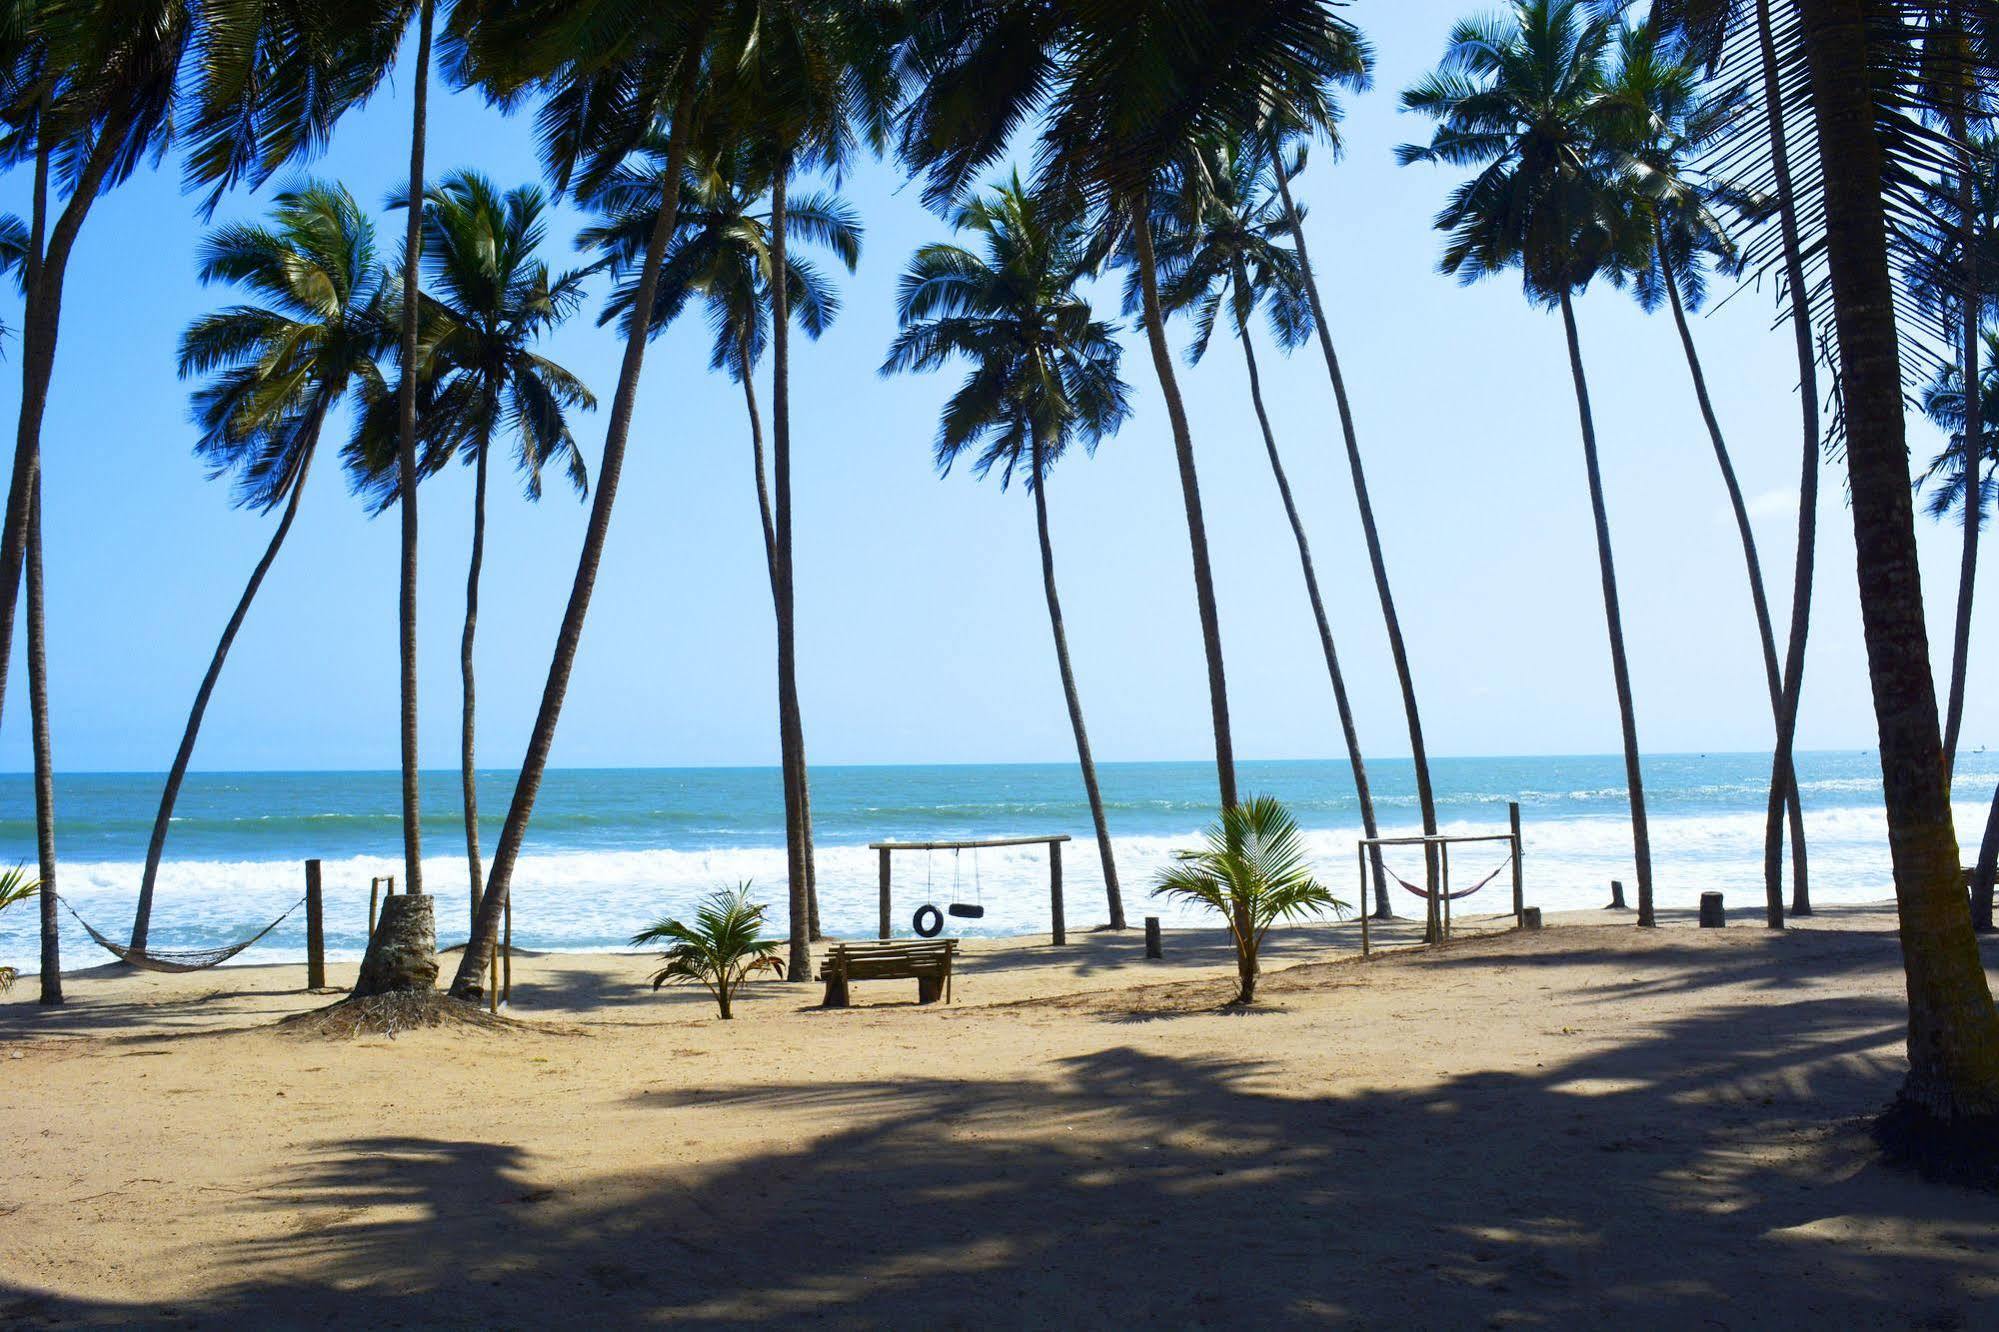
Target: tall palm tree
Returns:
[[1861, 104], [1744, 34], [1221, 242], [491, 301], [608, 76], [1044, 374], [1521, 97], [1664, 119], [1118, 92], [275, 366], [724, 255]]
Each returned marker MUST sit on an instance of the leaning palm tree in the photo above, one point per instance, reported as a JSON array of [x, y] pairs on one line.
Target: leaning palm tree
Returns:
[[1221, 241], [1662, 121], [1044, 374], [724, 256], [491, 301], [275, 366], [1521, 97]]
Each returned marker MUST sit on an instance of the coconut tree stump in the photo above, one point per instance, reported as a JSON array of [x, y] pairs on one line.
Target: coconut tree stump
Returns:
[[1152, 948], [1616, 896], [402, 951], [1713, 917]]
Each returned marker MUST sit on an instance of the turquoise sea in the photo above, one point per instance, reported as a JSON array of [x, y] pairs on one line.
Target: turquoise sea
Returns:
[[611, 850]]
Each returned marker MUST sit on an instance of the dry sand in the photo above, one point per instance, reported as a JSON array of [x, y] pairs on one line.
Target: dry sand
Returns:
[[1590, 1125]]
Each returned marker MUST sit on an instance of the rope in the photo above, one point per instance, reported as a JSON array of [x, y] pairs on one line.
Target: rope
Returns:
[[169, 960], [1462, 892]]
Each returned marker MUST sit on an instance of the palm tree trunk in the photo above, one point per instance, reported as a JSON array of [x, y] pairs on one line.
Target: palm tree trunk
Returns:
[[1347, 728], [1983, 876], [41, 315], [45, 778], [406, 461], [1641, 837], [1773, 674], [1953, 1078], [1419, 753], [1974, 464], [468, 769], [1190, 493], [1782, 767], [169, 794], [466, 982], [791, 728], [1113, 896]]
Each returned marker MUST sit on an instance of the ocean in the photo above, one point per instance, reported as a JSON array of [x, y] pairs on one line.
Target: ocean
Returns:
[[610, 851]]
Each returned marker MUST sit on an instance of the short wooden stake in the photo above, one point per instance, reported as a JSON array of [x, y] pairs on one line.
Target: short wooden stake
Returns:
[[1152, 948], [1060, 932], [1519, 898], [883, 890], [374, 896], [315, 930], [1616, 896], [1713, 915], [1530, 918]]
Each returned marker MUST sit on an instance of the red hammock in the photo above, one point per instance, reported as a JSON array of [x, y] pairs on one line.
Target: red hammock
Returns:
[[1462, 892]]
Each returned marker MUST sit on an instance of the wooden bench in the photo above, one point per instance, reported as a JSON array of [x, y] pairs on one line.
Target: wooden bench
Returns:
[[925, 961]]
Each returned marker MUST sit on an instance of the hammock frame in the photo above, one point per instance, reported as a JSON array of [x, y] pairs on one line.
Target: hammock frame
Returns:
[[1437, 923]]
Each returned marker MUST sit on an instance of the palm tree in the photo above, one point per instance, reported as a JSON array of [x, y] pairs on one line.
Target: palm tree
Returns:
[[491, 301], [1044, 374], [1719, 31], [275, 367], [1521, 97], [608, 78], [724, 256], [1861, 101], [1253, 872], [1220, 241], [719, 951], [1665, 121], [1118, 92]]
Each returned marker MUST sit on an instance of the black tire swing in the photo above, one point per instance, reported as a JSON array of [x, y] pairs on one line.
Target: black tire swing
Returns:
[[928, 922]]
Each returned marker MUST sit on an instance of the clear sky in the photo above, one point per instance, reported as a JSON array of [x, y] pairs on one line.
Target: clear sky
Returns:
[[923, 632]]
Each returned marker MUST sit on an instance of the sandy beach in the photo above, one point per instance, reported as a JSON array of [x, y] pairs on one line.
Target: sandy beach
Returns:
[[1590, 1124]]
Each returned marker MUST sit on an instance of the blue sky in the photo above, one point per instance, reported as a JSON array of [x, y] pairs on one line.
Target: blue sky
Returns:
[[923, 632]]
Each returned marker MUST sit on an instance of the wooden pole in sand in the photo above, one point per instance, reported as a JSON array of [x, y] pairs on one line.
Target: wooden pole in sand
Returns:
[[493, 982], [1444, 884], [507, 955], [315, 931], [374, 896], [1361, 856], [884, 890], [1055, 893], [1519, 901]]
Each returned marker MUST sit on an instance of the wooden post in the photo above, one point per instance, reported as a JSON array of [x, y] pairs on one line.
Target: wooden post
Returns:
[[315, 930], [507, 953], [1060, 932], [885, 928], [1519, 900], [374, 895], [1363, 901], [1616, 896], [493, 982], [1152, 948], [1713, 916], [1444, 884], [1530, 919]]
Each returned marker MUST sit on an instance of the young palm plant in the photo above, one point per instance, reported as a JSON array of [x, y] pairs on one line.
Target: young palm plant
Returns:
[[1252, 873], [1663, 120], [491, 301], [1521, 97], [16, 886], [724, 256], [720, 950], [1221, 243], [276, 365], [1044, 374]]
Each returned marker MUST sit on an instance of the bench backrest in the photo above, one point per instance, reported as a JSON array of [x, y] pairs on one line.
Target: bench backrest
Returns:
[[892, 960]]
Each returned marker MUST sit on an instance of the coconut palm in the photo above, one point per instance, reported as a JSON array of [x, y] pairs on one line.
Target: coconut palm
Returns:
[[1223, 253], [719, 951], [491, 301], [275, 366], [1044, 375], [1118, 93], [1253, 872], [17, 886], [1521, 97], [1664, 120], [1866, 108]]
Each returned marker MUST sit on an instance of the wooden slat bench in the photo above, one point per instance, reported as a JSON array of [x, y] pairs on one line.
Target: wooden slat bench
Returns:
[[925, 961]]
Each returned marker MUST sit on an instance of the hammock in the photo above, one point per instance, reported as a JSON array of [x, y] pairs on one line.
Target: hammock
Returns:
[[1462, 892], [192, 959]]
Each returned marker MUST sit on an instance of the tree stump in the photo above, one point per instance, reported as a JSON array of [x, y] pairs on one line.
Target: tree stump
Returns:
[[837, 994], [1152, 947], [929, 989], [1713, 917], [1530, 918], [1616, 896], [402, 952]]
